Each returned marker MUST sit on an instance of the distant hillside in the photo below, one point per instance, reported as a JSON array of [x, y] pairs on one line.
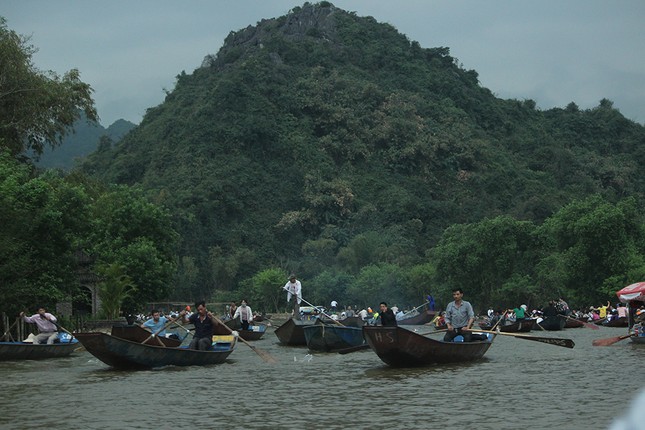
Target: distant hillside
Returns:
[[82, 142], [320, 131]]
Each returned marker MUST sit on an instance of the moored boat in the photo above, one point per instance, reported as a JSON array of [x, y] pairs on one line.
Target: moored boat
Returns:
[[291, 332], [29, 351], [332, 337], [126, 354], [399, 347]]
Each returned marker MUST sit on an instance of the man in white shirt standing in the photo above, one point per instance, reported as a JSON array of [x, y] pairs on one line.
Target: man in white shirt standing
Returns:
[[294, 291]]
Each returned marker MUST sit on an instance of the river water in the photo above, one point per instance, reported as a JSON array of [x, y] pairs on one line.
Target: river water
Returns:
[[518, 384]]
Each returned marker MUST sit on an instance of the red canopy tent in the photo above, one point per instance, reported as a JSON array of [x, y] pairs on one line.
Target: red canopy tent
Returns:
[[632, 292]]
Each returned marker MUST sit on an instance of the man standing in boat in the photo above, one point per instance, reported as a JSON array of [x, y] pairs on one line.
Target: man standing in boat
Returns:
[[294, 291], [46, 323], [459, 317]]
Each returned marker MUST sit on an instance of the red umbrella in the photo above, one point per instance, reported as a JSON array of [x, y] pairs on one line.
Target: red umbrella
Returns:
[[632, 292]]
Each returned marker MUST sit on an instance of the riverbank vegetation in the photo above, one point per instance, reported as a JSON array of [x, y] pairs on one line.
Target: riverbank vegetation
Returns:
[[372, 167]]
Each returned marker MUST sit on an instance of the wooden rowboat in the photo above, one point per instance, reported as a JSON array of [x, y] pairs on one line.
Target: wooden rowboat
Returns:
[[553, 323], [292, 331], [29, 351], [399, 347], [126, 354], [328, 338], [575, 322], [616, 322], [255, 331], [520, 326], [353, 321], [421, 318]]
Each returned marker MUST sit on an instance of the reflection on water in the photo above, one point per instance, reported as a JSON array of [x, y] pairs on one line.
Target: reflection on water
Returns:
[[542, 385]]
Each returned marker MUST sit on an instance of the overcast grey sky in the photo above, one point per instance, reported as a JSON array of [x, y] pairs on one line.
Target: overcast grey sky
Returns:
[[551, 51]]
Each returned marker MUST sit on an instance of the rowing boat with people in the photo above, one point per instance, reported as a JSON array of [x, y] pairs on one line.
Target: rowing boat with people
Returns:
[[400, 347], [332, 337], [255, 331], [28, 351], [552, 323], [127, 354]]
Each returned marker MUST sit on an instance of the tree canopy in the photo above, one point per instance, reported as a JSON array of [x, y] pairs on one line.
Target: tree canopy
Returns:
[[374, 168], [37, 108]]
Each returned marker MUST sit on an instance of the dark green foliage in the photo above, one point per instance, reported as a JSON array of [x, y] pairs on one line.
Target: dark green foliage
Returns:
[[37, 109], [343, 150]]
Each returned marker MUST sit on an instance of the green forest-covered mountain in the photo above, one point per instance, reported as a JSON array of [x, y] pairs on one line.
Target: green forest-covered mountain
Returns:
[[329, 144], [84, 140]]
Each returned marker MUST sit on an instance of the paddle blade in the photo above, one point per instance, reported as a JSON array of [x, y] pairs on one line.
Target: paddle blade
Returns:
[[610, 340], [264, 355]]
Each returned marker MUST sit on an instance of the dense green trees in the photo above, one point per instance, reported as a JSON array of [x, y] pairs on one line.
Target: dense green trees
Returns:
[[344, 151], [46, 218], [374, 168], [36, 108]]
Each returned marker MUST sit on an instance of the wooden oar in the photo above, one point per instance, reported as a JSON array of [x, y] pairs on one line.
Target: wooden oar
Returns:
[[328, 316], [165, 326], [10, 328], [566, 343], [499, 320], [538, 324], [611, 340], [586, 324], [263, 354]]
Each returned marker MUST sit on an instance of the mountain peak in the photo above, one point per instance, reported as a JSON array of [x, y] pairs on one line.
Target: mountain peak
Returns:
[[306, 21]]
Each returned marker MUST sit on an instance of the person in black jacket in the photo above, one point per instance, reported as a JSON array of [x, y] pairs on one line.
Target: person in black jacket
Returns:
[[204, 323], [387, 316]]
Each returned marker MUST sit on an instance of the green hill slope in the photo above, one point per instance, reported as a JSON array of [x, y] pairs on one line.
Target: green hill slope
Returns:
[[83, 141], [320, 128]]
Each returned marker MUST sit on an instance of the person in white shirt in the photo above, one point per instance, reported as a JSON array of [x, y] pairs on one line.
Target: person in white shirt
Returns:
[[245, 314], [294, 291]]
